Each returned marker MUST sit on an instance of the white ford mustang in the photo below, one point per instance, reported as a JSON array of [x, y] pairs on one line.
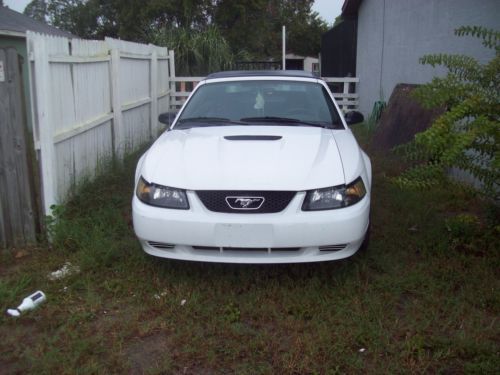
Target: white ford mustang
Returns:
[[257, 167]]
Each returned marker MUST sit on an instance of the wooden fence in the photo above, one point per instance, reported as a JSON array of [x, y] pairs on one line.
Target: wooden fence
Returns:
[[92, 101], [343, 90], [17, 205]]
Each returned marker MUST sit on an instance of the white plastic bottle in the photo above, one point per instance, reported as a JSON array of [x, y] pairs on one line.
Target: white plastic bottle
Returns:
[[29, 303]]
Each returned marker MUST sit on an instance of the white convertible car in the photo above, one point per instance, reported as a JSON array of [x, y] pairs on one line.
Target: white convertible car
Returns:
[[257, 167]]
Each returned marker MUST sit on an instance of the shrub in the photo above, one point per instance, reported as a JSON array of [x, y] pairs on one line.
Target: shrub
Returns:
[[466, 136]]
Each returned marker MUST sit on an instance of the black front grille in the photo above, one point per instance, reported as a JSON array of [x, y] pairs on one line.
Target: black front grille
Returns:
[[274, 201]]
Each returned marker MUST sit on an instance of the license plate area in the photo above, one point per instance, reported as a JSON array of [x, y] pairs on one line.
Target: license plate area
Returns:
[[244, 235]]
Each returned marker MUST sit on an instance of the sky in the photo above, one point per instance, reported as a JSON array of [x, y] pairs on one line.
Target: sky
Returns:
[[17, 5], [327, 9]]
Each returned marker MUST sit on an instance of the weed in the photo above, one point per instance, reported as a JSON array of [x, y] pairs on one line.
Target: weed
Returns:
[[11, 289], [462, 226], [232, 313]]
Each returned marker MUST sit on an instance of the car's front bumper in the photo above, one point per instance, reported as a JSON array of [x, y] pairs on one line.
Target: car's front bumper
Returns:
[[290, 236]]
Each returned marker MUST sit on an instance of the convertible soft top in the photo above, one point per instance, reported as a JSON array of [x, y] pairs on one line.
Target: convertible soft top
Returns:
[[262, 73]]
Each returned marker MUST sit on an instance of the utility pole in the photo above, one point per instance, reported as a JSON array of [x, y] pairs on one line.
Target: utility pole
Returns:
[[284, 48]]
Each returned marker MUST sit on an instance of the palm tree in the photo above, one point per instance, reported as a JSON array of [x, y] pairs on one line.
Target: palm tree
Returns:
[[197, 52]]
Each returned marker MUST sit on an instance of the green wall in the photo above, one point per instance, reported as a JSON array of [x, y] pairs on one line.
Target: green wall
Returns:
[[19, 43]]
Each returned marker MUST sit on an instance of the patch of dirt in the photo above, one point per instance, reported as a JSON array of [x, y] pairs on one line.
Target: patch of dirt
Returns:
[[402, 119], [13, 259], [147, 352], [16, 335]]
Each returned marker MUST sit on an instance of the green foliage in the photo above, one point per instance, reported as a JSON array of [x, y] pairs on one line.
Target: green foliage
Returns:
[[252, 29], [466, 136], [51, 221], [255, 26], [462, 226], [338, 20], [10, 290], [468, 234], [489, 37], [197, 52], [232, 313], [37, 9]]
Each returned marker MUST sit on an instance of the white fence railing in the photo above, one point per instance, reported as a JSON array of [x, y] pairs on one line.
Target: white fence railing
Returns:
[[347, 99], [181, 88], [343, 90], [92, 100]]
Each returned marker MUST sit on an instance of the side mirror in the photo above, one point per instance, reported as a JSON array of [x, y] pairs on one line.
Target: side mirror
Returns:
[[167, 118], [353, 117]]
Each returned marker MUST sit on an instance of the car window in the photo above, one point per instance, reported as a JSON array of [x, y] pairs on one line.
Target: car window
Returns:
[[244, 101]]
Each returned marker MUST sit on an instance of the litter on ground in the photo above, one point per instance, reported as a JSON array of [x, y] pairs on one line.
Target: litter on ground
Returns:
[[29, 303], [66, 270]]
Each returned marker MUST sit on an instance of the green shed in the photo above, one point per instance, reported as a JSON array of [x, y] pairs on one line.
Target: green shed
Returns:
[[13, 27]]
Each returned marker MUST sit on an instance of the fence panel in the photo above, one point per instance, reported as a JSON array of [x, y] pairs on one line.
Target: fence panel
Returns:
[[83, 128], [92, 100], [17, 214], [135, 93]]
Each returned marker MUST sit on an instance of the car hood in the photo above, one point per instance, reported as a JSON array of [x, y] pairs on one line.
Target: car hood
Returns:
[[295, 158]]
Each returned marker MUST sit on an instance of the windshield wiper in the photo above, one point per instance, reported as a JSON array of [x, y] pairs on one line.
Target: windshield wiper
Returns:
[[284, 121], [206, 121]]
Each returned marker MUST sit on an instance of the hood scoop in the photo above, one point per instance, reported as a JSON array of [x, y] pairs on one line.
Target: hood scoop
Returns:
[[252, 137]]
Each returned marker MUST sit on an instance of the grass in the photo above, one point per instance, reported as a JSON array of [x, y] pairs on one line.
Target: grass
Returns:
[[422, 298]]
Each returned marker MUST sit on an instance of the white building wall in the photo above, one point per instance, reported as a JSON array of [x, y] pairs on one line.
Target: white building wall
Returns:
[[308, 63], [394, 34]]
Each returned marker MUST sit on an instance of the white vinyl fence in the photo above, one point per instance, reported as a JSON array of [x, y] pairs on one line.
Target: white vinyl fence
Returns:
[[347, 97], [91, 101]]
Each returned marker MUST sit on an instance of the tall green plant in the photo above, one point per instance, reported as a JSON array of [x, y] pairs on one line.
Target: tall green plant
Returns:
[[466, 136], [197, 52]]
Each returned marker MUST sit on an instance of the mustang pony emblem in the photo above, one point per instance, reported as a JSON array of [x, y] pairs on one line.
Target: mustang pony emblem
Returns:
[[245, 203]]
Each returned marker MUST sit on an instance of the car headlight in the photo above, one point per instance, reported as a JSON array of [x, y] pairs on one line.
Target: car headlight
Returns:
[[161, 196], [334, 197]]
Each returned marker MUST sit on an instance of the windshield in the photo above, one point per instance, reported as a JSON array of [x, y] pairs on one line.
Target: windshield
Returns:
[[289, 103]]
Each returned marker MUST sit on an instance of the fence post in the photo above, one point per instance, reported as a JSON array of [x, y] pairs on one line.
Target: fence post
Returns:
[[44, 123], [346, 91], [171, 66], [118, 136], [154, 93]]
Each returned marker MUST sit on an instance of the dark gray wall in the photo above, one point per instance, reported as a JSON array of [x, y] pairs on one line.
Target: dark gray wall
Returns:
[[394, 34], [338, 50]]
